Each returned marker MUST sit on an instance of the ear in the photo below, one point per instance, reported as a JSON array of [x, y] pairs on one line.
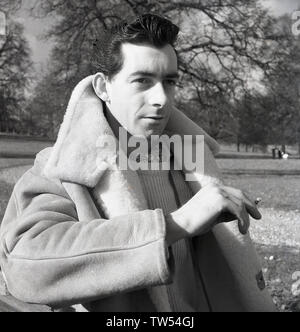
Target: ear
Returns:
[[100, 87]]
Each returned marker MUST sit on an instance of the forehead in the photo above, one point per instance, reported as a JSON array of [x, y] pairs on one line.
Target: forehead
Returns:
[[145, 58]]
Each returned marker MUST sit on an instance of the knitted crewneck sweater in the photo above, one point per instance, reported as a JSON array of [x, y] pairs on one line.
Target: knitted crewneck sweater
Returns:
[[180, 296]]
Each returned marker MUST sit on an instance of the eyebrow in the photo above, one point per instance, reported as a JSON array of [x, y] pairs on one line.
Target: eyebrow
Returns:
[[151, 74]]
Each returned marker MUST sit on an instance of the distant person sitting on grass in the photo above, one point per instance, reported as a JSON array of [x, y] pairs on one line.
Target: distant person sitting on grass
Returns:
[[79, 231]]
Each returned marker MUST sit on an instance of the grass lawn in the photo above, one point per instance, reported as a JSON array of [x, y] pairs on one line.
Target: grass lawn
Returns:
[[11, 162], [261, 164], [22, 147], [277, 235], [8, 177], [279, 192], [5, 192]]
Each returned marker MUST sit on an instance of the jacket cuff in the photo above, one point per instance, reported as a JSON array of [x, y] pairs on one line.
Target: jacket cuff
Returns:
[[166, 261]]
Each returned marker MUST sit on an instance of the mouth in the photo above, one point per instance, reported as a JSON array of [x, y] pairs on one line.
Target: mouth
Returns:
[[155, 118]]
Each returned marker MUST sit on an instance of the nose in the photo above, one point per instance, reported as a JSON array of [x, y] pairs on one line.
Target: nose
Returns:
[[158, 96]]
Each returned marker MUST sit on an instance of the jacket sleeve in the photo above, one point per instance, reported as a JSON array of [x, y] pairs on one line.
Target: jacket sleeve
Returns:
[[49, 257]]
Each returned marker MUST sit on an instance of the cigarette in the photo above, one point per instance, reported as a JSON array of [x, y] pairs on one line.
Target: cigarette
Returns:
[[258, 200]]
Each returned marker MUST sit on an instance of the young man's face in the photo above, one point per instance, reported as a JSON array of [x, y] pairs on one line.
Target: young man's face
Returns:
[[142, 93]]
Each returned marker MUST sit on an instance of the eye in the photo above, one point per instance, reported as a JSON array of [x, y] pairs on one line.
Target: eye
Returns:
[[142, 81], [171, 82]]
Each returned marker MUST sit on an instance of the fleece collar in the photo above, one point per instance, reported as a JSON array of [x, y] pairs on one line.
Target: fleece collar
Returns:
[[79, 156]]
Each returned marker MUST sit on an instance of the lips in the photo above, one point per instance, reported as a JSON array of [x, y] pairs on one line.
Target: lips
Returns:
[[155, 117]]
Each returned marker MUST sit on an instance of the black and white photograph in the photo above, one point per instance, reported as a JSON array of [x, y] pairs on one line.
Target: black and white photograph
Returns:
[[150, 158]]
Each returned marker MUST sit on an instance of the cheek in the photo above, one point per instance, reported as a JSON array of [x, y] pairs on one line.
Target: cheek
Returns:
[[125, 94], [134, 103], [171, 92], [128, 108]]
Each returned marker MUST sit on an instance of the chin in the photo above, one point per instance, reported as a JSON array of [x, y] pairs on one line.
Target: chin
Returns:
[[154, 133], [150, 131]]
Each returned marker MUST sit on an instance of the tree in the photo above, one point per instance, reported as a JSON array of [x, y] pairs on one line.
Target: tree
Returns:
[[254, 120], [46, 105], [283, 97], [222, 43], [10, 6], [15, 66]]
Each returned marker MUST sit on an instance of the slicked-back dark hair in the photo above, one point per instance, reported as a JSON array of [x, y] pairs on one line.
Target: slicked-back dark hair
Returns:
[[147, 29]]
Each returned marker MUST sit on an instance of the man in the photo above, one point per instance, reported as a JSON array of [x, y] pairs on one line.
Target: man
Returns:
[[80, 231]]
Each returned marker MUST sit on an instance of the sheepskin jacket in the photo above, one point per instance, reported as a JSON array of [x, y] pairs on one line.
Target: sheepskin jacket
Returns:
[[61, 247]]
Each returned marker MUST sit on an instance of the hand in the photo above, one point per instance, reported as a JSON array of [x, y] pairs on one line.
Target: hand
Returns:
[[239, 207], [210, 206]]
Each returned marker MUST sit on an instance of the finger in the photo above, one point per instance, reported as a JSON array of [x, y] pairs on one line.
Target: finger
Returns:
[[250, 205], [244, 219], [252, 208], [241, 214], [244, 225]]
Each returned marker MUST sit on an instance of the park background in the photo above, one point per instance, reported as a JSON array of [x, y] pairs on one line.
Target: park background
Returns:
[[239, 80]]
